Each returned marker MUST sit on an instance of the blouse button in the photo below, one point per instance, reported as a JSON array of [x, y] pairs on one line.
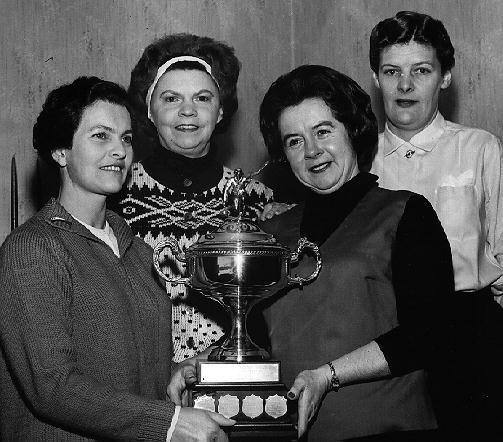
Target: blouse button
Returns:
[[188, 216], [187, 182]]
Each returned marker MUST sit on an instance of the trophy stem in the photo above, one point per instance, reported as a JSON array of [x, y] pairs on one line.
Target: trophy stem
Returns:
[[238, 346]]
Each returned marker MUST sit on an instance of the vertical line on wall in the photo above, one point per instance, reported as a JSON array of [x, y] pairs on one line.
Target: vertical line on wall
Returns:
[[292, 35]]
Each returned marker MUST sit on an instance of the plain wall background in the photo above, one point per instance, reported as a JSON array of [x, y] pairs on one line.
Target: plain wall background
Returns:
[[46, 43]]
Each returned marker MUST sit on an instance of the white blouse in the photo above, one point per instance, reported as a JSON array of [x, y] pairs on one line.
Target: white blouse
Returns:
[[459, 170]]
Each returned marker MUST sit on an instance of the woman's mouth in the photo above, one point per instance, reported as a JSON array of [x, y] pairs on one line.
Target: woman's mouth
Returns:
[[406, 103], [319, 168], [111, 168], [187, 127]]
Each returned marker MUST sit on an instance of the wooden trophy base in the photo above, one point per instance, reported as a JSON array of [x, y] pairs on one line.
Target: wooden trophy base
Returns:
[[260, 408]]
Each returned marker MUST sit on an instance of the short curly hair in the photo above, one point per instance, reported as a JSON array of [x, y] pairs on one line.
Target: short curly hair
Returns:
[[63, 108], [408, 26], [224, 65], [349, 104]]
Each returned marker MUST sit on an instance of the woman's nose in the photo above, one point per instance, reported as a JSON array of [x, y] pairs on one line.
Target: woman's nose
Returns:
[[405, 83], [119, 149], [187, 109], [311, 149]]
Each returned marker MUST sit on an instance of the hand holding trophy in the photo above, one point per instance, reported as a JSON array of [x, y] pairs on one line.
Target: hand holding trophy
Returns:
[[238, 265]]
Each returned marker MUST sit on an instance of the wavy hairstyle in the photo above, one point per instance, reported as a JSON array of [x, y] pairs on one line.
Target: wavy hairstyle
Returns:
[[408, 26], [63, 108], [224, 65], [349, 104]]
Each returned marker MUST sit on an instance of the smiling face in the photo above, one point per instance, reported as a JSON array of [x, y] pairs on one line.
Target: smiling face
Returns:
[[101, 153], [185, 109], [410, 80], [317, 146]]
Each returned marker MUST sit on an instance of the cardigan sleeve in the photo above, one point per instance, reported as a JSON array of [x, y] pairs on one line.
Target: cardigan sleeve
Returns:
[[36, 342], [423, 280]]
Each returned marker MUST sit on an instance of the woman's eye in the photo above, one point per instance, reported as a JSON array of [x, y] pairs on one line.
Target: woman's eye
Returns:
[[128, 139], [203, 98], [292, 143], [170, 99], [423, 71], [322, 132], [390, 72], [100, 135]]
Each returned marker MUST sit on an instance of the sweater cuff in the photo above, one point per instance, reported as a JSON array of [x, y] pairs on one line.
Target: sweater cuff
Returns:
[[158, 418]]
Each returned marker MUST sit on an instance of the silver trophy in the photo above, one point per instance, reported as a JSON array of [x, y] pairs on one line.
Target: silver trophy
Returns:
[[238, 265]]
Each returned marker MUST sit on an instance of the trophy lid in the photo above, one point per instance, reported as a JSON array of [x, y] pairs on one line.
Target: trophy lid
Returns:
[[237, 234]]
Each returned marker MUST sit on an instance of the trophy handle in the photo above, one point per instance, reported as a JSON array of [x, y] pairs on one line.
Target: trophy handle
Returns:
[[179, 255], [294, 257]]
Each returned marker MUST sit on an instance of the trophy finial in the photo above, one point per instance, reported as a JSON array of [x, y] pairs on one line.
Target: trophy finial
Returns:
[[235, 194]]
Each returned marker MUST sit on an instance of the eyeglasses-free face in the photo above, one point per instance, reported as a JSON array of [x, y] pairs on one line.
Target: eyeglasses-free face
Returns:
[[101, 153], [317, 146], [410, 80], [185, 109]]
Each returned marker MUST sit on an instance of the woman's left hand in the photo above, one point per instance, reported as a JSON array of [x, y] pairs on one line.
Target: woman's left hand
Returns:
[[309, 387], [184, 376]]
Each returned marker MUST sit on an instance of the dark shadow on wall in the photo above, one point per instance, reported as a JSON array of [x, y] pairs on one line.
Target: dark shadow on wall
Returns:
[[448, 103], [45, 184]]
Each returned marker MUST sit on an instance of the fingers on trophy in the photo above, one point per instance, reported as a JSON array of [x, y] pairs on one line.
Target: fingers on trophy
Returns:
[[239, 265]]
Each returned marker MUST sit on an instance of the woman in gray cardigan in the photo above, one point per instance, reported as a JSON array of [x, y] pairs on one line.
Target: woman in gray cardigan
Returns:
[[85, 328]]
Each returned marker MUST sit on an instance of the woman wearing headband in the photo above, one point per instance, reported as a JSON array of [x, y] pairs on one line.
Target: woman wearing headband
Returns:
[[184, 89]]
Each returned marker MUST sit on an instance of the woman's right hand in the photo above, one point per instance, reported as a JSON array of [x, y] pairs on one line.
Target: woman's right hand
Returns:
[[273, 209], [195, 425]]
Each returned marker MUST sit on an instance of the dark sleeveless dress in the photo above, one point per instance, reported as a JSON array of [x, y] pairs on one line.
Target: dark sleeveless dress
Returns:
[[351, 303]]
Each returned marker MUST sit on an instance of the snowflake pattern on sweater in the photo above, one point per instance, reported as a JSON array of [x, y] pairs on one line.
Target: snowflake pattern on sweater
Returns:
[[154, 211]]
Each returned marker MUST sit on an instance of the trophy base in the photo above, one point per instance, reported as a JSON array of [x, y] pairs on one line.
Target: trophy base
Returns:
[[261, 410], [250, 393]]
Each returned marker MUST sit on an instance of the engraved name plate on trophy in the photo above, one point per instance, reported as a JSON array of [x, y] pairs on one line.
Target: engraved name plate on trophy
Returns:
[[239, 265]]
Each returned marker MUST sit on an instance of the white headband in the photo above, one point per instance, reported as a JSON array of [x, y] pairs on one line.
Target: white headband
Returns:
[[163, 68]]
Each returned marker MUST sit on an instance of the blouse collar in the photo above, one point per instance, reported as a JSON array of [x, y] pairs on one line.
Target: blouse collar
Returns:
[[426, 140]]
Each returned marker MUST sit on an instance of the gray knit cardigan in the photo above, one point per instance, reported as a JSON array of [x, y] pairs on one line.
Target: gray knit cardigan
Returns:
[[85, 336]]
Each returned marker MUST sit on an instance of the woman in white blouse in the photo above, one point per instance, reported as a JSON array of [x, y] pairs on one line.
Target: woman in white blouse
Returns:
[[459, 170]]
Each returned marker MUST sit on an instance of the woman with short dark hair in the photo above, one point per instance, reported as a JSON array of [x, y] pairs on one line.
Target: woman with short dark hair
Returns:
[[459, 169], [85, 327], [407, 26], [344, 97], [361, 314]]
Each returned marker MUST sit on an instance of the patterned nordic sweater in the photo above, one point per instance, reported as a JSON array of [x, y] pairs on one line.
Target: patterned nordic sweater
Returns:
[[171, 195]]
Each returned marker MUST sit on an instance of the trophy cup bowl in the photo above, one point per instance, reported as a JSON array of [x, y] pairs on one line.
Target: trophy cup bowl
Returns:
[[238, 266]]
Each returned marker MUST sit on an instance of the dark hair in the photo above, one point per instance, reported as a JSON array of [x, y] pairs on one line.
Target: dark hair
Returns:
[[408, 26], [224, 66], [349, 104], [63, 108]]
